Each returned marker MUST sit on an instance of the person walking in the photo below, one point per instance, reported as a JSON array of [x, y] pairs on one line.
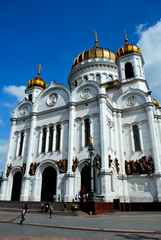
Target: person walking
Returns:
[[51, 211], [65, 206]]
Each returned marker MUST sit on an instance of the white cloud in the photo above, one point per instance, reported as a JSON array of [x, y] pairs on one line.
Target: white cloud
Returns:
[[150, 44], [18, 92], [3, 153]]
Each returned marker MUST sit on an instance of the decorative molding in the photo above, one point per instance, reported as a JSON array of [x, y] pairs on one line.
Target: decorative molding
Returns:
[[75, 164], [9, 168], [33, 167]]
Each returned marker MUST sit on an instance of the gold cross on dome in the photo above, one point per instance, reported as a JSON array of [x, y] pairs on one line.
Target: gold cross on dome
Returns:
[[96, 35], [39, 65], [91, 139], [125, 33]]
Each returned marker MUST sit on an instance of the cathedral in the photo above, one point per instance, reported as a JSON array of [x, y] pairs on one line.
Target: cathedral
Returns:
[[108, 102]]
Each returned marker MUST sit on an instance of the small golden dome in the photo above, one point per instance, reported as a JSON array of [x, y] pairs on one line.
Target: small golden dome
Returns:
[[156, 103], [37, 82], [95, 52], [127, 48]]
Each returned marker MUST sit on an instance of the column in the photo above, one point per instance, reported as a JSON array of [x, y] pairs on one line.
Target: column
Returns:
[[4, 190], [135, 67], [53, 146], [103, 133], [153, 139], [26, 179], [82, 134], [47, 140], [69, 177], [132, 140], [18, 145], [121, 147], [91, 128], [111, 134], [40, 141], [24, 142], [115, 135], [61, 137], [141, 139]]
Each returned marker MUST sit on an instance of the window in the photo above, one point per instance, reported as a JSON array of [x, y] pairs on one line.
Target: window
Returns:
[[87, 131], [58, 130], [136, 138], [129, 70], [30, 97], [43, 140], [76, 83], [110, 78], [21, 143], [50, 138]]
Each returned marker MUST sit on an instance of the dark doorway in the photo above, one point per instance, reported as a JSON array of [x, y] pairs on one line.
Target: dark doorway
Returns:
[[16, 189], [48, 184], [86, 180]]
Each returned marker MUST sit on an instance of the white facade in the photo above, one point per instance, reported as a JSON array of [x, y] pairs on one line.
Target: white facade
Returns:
[[122, 117]]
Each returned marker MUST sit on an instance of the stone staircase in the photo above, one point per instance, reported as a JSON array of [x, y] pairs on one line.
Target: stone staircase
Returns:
[[35, 207]]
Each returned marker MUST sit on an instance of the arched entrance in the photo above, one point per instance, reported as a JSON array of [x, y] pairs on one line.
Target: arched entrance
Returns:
[[16, 189], [85, 180], [48, 184]]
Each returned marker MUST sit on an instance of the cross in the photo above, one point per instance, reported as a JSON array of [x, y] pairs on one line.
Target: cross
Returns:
[[96, 35], [39, 65], [91, 139], [125, 33]]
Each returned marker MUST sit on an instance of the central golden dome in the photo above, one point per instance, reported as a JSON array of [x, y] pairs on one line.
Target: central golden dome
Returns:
[[95, 52], [37, 82]]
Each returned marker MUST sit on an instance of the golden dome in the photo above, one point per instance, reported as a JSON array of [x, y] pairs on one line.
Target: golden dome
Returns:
[[127, 48], [95, 52], [37, 82], [156, 103]]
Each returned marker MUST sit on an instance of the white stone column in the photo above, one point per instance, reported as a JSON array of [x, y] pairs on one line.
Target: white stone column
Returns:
[[115, 135], [40, 141], [141, 139], [153, 139], [103, 134], [4, 189], [61, 137], [121, 147], [111, 133], [26, 179], [18, 144], [54, 140], [91, 128], [135, 67], [70, 175], [82, 134], [47, 140], [24, 142], [132, 140]]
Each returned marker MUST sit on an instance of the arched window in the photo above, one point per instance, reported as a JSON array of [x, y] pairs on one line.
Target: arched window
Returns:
[[21, 143], [129, 70], [58, 130], [43, 140], [87, 131], [136, 138], [50, 138], [110, 78], [76, 83], [30, 97]]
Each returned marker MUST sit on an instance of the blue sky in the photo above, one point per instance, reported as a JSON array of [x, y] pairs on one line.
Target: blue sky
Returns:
[[53, 33]]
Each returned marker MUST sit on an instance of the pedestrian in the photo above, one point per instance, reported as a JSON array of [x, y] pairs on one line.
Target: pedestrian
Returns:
[[65, 206], [22, 216], [26, 207], [54, 198], [42, 207], [58, 197], [51, 211]]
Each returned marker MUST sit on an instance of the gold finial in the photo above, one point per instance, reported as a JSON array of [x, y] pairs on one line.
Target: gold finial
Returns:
[[39, 65], [126, 39], [96, 41], [91, 139]]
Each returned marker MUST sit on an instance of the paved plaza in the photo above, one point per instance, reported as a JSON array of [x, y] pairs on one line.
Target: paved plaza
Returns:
[[109, 226]]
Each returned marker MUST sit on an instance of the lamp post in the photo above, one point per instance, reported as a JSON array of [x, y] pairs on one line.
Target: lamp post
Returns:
[[92, 194]]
